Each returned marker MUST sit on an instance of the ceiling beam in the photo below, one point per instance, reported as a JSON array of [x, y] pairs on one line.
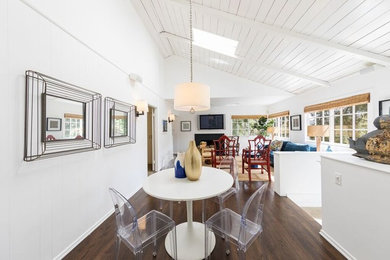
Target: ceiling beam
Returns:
[[257, 64], [357, 53]]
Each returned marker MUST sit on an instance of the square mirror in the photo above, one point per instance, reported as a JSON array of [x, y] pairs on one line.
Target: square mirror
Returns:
[[119, 123], [65, 119]]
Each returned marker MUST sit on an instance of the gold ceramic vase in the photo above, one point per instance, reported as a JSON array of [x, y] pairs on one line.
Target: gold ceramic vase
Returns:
[[193, 162]]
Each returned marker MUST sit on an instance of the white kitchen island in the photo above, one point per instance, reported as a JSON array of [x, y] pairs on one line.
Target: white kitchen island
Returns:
[[356, 206]]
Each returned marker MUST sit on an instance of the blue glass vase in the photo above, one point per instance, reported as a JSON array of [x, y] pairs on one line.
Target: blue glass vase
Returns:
[[179, 166], [179, 170]]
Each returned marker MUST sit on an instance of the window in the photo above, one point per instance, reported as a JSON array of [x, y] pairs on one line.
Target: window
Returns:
[[243, 126], [73, 127], [319, 118], [344, 122], [214, 42], [282, 123]]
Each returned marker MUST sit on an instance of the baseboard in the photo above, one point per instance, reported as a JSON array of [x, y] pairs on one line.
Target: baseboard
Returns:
[[336, 245], [305, 199], [87, 233]]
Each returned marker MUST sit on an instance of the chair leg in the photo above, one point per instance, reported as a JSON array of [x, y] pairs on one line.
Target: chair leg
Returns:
[[117, 247], [241, 255], [206, 243], [249, 171], [242, 165], [269, 172], [173, 242], [227, 245], [154, 228], [171, 209], [161, 205], [138, 256], [203, 210]]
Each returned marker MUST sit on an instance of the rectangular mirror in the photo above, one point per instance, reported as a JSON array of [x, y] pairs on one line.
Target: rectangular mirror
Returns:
[[118, 123], [65, 119]]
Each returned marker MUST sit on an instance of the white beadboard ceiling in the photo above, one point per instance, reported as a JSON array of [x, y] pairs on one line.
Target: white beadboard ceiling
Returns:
[[292, 45]]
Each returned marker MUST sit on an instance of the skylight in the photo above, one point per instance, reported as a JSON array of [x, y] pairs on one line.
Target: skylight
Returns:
[[215, 42]]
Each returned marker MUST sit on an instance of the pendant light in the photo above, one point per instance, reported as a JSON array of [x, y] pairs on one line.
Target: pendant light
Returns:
[[192, 96]]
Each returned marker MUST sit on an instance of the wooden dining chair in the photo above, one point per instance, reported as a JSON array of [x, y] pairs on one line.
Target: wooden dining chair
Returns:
[[257, 154], [223, 147]]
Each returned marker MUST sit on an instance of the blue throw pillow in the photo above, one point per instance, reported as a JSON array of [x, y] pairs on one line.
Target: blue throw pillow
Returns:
[[297, 147], [284, 145], [312, 148]]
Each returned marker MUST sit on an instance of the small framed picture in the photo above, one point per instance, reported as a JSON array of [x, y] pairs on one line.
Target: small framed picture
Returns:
[[384, 107], [165, 126], [53, 124], [295, 123], [185, 126]]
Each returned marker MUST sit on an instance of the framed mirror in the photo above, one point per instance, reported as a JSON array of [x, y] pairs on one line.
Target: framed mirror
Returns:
[[61, 118], [119, 123]]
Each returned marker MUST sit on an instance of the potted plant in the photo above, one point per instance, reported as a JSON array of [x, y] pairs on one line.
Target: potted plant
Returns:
[[261, 125]]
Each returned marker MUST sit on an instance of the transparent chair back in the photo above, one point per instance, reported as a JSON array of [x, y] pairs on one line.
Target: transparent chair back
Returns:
[[230, 164], [252, 217], [126, 220], [242, 229], [137, 233], [167, 162]]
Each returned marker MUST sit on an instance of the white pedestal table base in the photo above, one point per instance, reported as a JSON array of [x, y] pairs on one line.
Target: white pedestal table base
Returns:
[[190, 241]]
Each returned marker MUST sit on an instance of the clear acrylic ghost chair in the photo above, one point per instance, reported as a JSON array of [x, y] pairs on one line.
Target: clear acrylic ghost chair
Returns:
[[242, 230], [137, 233], [167, 163], [230, 164]]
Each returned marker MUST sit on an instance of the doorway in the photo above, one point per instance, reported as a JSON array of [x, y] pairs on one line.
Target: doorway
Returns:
[[151, 140]]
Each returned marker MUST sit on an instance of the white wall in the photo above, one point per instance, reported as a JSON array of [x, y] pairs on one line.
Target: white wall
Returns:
[[181, 139], [377, 83], [48, 205]]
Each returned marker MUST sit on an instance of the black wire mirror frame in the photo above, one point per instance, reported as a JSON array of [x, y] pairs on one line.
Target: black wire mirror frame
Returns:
[[36, 145], [110, 106]]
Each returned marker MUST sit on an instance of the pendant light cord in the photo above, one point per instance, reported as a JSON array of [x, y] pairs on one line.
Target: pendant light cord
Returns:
[[191, 73]]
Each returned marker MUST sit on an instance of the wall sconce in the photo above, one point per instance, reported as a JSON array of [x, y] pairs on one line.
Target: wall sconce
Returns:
[[141, 107], [171, 118]]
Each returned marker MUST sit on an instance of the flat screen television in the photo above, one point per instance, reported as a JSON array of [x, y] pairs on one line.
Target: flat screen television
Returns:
[[211, 121]]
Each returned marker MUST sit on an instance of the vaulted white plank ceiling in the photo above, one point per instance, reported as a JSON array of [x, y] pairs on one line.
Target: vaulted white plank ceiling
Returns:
[[292, 45]]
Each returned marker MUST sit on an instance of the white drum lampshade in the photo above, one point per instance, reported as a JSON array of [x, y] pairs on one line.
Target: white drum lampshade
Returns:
[[142, 107], [192, 96]]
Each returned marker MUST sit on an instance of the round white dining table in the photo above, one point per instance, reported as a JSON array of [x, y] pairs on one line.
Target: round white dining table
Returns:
[[190, 234]]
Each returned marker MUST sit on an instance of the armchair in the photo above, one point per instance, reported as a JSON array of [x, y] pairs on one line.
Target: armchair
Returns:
[[237, 146], [257, 154], [223, 147]]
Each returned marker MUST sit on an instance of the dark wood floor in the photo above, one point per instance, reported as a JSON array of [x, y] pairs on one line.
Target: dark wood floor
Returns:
[[289, 232]]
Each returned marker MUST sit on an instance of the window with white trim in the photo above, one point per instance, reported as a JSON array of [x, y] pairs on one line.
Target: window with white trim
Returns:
[[344, 122], [243, 127], [282, 123], [73, 127]]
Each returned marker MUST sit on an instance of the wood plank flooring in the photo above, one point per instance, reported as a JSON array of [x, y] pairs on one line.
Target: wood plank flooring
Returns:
[[289, 232]]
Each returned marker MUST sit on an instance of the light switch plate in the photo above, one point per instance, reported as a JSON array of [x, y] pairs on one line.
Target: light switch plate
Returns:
[[338, 179]]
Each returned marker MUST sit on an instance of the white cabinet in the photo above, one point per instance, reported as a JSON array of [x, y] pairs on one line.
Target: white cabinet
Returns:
[[356, 206]]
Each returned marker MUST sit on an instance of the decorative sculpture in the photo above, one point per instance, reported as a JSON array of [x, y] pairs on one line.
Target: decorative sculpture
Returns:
[[193, 162], [375, 146]]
